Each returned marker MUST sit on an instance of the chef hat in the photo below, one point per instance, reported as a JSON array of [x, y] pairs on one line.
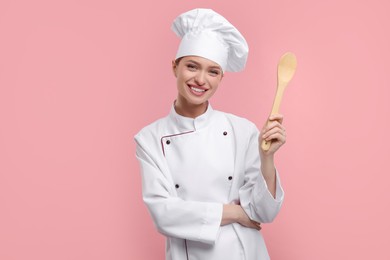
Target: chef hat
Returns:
[[207, 34]]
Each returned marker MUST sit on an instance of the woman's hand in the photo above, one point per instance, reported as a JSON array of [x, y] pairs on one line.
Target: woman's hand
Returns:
[[235, 214], [244, 220], [274, 132]]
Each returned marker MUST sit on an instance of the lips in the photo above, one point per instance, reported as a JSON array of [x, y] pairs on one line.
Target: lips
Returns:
[[197, 90]]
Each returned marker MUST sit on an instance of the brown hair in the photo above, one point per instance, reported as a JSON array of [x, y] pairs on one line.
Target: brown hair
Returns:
[[178, 60]]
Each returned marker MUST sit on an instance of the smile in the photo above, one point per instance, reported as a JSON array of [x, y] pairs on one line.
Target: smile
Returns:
[[198, 89]]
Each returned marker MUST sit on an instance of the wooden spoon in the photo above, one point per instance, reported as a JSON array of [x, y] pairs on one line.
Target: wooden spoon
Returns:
[[286, 69]]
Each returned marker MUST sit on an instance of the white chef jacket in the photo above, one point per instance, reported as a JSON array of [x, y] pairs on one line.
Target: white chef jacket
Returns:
[[190, 168]]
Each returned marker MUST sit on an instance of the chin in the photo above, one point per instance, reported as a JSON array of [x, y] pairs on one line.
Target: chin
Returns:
[[197, 101]]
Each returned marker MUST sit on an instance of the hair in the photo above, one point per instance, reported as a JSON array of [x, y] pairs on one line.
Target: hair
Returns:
[[177, 61]]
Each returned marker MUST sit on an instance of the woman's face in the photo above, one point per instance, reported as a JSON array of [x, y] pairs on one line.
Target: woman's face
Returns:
[[197, 79]]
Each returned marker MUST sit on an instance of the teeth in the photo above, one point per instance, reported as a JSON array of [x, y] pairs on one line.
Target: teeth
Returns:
[[198, 89]]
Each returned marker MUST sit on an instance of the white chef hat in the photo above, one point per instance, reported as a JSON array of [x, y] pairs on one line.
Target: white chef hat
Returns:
[[207, 34]]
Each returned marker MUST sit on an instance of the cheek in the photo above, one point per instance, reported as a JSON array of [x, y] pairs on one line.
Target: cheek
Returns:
[[215, 82], [181, 83], [188, 75], [180, 77]]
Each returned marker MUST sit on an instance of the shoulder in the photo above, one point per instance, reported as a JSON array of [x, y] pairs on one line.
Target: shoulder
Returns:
[[151, 131]]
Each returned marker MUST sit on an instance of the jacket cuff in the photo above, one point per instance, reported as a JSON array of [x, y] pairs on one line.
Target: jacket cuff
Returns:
[[211, 223], [264, 196]]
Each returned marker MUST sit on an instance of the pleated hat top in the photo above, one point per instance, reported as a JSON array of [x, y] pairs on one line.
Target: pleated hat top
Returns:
[[207, 34]]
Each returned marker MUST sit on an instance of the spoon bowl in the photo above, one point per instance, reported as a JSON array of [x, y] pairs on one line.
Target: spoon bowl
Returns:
[[286, 68]]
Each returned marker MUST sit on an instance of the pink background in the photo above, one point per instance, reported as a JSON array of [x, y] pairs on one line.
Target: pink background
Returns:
[[79, 78]]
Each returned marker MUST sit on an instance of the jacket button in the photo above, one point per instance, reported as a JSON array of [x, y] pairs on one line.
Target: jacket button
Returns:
[[230, 178], [225, 133], [168, 142], [177, 186]]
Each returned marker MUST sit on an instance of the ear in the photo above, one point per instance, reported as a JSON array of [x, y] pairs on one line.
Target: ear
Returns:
[[174, 68]]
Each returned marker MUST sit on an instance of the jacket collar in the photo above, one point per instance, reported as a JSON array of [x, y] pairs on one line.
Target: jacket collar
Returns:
[[191, 124]]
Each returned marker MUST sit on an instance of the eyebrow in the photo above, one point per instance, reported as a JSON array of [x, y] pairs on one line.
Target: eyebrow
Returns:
[[211, 67]]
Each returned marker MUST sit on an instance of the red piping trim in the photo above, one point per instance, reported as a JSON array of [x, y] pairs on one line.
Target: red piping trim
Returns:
[[165, 136], [185, 242]]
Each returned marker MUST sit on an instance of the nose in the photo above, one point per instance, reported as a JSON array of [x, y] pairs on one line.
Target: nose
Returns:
[[200, 78]]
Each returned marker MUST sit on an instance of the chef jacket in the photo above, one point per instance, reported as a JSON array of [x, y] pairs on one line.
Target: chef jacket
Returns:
[[191, 167]]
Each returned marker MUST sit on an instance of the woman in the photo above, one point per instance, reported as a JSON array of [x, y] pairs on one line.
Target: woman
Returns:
[[206, 181]]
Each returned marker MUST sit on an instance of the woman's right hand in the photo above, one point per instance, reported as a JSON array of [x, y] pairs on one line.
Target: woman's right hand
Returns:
[[235, 214]]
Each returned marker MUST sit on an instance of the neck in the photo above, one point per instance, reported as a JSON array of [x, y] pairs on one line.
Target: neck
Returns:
[[183, 108]]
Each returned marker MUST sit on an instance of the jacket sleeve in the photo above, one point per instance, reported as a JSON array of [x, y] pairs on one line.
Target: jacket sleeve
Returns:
[[172, 216], [255, 197]]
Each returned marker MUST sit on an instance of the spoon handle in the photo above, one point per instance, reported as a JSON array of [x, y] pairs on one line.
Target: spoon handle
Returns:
[[275, 109]]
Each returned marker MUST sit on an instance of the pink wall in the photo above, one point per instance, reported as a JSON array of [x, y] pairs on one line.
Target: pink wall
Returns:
[[79, 78]]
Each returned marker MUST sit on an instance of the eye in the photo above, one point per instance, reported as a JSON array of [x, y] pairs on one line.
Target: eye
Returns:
[[214, 72], [191, 67]]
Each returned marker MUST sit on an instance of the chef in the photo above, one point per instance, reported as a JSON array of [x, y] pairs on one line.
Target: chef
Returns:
[[206, 182]]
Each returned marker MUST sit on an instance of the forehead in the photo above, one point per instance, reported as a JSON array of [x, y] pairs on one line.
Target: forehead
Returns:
[[201, 61]]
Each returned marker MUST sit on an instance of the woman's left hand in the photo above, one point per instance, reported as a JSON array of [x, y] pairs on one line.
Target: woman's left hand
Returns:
[[273, 130]]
